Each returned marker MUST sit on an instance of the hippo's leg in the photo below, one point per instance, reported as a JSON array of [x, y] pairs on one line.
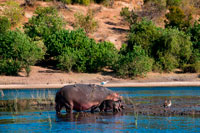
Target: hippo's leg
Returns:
[[69, 108], [93, 108], [58, 108]]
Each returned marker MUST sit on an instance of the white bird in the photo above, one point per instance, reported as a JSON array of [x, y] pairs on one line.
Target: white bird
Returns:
[[104, 82], [2, 94], [168, 103]]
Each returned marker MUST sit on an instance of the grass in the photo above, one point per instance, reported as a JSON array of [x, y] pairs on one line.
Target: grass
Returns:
[[38, 101]]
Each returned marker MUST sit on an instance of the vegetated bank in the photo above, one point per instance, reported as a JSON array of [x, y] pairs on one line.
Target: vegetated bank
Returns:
[[149, 48]]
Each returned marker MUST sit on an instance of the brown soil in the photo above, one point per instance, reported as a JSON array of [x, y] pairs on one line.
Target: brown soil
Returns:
[[41, 75]]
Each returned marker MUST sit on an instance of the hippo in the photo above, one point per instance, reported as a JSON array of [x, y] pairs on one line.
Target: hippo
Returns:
[[116, 106], [80, 97]]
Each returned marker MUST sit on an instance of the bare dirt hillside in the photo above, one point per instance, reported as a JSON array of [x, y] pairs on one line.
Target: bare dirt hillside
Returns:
[[110, 25]]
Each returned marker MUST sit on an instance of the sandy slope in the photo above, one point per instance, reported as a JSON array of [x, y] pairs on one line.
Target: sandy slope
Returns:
[[45, 77]]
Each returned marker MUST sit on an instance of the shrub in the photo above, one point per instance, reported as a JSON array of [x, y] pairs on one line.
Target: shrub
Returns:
[[74, 50], [5, 24], [173, 2], [174, 49], [60, 39], [66, 1], [144, 33], [176, 18], [67, 59], [129, 16], [17, 52], [134, 63], [194, 32], [192, 68], [88, 23], [45, 22], [167, 62], [101, 55], [13, 12]]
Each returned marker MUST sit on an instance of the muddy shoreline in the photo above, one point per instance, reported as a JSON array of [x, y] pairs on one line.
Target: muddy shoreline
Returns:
[[141, 105]]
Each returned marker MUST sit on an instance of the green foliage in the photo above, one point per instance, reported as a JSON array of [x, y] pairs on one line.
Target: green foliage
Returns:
[[17, 52], [4, 24], [173, 2], [194, 32], [176, 18], [45, 22], [13, 12], [82, 2], [75, 51], [134, 63], [67, 59], [87, 22], [167, 62], [173, 49], [192, 67], [144, 33], [66, 1], [129, 16]]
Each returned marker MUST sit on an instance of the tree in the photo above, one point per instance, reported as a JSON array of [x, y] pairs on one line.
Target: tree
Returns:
[[177, 18]]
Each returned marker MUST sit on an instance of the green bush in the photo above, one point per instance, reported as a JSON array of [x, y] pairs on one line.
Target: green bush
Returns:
[[101, 55], [192, 68], [13, 12], [75, 51], [87, 22], [173, 2], [134, 63], [66, 1], [5, 24], [129, 16], [144, 33], [67, 59], [194, 32], [173, 49], [45, 22], [60, 39], [167, 62], [17, 52], [177, 19]]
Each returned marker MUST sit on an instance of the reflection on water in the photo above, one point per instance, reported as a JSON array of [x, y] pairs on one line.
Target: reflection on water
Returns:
[[124, 91], [47, 121], [158, 91], [87, 122]]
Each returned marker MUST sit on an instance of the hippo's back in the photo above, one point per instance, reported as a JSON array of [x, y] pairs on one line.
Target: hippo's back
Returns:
[[84, 92]]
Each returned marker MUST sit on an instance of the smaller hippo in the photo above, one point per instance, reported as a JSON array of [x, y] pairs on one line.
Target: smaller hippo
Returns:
[[116, 106]]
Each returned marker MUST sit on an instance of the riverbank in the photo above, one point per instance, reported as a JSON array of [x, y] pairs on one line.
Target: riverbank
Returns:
[[41, 77]]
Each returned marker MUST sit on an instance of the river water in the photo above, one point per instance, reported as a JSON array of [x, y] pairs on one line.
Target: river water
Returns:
[[47, 121]]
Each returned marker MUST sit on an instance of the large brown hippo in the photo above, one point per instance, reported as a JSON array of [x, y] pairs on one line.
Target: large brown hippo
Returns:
[[81, 97]]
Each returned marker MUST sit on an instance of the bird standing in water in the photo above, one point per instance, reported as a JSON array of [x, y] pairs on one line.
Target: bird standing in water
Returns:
[[167, 103]]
